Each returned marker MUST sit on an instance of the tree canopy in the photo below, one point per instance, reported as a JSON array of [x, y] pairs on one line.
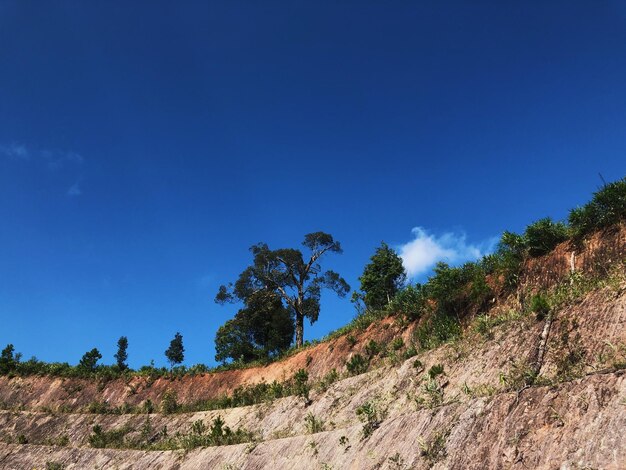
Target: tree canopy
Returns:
[[121, 355], [382, 278], [90, 359], [175, 354], [262, 329], [296, 279]]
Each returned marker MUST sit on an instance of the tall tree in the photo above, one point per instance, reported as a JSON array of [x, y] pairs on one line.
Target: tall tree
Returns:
[[262, 329], [121, 355], [382, 278], [8, 361], [297, 280], [176, 352], [90, 360]]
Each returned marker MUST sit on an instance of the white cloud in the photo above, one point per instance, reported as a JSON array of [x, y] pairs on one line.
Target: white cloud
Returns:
[[74, 190], [425, 250], [55, 158], [17, 151]]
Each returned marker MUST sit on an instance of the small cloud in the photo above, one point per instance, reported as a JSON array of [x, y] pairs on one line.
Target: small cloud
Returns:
[[422, 253], [74, 190], [16, 151], [57, 160]]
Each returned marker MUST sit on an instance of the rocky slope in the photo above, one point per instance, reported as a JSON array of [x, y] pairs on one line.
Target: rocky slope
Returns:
[[479, 412]]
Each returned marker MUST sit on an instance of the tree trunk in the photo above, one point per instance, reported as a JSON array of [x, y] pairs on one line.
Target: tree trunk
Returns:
[[299, 330]]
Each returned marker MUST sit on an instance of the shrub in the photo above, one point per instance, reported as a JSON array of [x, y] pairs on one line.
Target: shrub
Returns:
[[607, 207], [436, 331], [397, 344], [169, 403], [371, 416], [543, 235], [301, 386], [435, 370], [313, 425], [372, 348], [330, 378], [410, 302], [357, 365], [540, 305]]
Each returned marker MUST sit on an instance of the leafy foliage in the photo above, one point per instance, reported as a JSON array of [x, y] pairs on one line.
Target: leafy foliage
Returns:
[[263, 329], [90, 359], [543, 235], [8, 359], [382, 278], [175, 354], [607, 207], [121, 356], [298, 282]]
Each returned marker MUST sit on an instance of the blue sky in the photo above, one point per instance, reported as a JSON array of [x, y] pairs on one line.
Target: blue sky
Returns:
[[144, 146]]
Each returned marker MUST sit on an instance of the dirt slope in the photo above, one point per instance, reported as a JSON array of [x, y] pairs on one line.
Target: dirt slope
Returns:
[[475, 415]]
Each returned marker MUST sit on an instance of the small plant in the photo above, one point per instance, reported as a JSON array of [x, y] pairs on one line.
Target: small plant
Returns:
[[351, 340], [301, 386], [372, 348], [435, 370], [417, 364], [169, 403], [397, 344], [396, 461], [54, 465], [540, 306], [357, 365], [371, 416], [313, 425], [331, 377], [21, 439], [434, 450], [345, 443]]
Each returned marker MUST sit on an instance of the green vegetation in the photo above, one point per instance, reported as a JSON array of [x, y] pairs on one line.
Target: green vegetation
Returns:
[[261, 330], [175, 354], [89, 360], [286, 273], [382, 278], [313, 425], [281, 288], [121, 356], [371, 415], [357, 365], [217, 434]]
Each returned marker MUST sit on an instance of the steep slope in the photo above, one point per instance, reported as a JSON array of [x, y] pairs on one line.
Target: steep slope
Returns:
[[479, 410]]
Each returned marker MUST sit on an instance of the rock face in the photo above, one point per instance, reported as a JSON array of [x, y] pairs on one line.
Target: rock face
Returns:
[[479, 413]]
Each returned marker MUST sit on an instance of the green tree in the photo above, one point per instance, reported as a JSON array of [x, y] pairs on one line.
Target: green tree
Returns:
[[90, 359], [8, 360], [296, 280], [382, 278], [121, 355], [175, 354], [542, 236], [262, 329]]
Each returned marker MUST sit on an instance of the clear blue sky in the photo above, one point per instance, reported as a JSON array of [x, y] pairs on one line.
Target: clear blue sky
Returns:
[[144, 146]]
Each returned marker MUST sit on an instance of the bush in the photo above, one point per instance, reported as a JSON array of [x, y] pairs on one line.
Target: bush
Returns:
[[301, 386], [372, 348], [169, 403], [410, 302], [436, 331], [313, 425], [542, 236], [607, 207], [540, 306], [357, 365]]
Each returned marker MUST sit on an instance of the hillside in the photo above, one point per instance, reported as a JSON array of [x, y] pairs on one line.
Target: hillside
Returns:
[[515, 390]]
